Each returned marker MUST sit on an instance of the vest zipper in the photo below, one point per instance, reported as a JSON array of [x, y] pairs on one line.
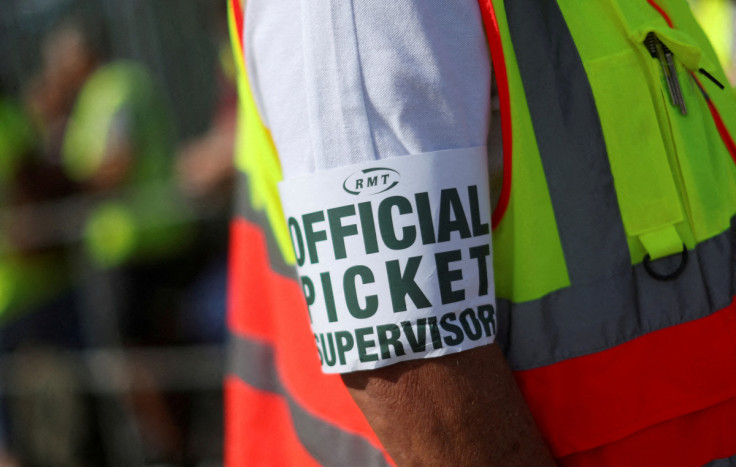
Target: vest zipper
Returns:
[[657, 49], [668, 68]]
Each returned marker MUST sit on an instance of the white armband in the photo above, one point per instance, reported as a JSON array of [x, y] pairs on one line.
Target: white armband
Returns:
[[394, 257]]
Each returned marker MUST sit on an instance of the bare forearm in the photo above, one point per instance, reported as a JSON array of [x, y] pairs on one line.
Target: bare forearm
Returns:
[[461, 409]]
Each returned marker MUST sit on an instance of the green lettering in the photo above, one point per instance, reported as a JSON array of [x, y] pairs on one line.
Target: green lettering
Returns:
[[338, 232], [418, 341], [296, 240], [403, 284], [368, 224], [329, 358], [480, 253], [434, 331], [452, 216], [319, 352], [309, 295], [384, 340], [478, 227], [474, 331], [426, 224], [329, 296], [364, 345], [344, 344], [447, 276], [351, 294], [452, 328], [386, 223], [487, 316], [313, 236]]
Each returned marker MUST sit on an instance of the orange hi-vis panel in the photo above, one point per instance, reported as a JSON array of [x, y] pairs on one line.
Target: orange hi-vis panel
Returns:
[[280, 408], [603, 181], [274, 366]]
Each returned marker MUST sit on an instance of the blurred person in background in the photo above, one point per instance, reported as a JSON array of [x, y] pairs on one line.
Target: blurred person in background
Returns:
[[16, 138], [37, 308], [67, 61], [106, 137], [103, 142], [205, 172], [718, 19], [119, 146], [31, 266]]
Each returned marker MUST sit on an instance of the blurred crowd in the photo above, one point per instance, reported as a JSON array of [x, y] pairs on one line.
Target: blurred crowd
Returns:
[[112, 239]]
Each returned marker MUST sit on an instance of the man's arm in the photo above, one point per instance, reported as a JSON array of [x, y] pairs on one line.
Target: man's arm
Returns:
[[377, 80], [460, 409]]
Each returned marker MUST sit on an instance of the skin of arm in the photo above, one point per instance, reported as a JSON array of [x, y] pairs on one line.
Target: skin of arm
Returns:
[[459, 409]]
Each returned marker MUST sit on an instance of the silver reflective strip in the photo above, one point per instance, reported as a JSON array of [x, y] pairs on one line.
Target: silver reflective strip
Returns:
[[570, 141], [244, 209], [583, 319], [254, 363]]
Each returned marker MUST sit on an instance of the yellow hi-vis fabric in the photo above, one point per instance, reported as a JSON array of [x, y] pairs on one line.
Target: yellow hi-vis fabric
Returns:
[[603, 170], [668, 193], [146, 219], [255, 153]]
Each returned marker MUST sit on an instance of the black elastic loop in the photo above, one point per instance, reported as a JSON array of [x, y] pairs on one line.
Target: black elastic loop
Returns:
[[712, 78], [666, 277]]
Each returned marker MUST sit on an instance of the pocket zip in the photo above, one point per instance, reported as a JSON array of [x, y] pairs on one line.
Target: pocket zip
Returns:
[[657, 49], [728, 140], [668, 69]]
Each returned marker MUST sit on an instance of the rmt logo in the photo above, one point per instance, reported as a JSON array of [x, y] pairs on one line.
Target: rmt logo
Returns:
[[371, 181]]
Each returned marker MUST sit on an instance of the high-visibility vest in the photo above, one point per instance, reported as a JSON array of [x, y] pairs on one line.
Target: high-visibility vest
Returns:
[[26, 280], [144, 221], [612, 246], [16, 139], [602, 170]]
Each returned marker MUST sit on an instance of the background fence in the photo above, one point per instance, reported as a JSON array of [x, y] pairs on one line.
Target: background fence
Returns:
[[110, 355]]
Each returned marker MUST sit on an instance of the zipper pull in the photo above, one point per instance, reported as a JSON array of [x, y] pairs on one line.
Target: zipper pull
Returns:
[[669, 58], [658, 50]]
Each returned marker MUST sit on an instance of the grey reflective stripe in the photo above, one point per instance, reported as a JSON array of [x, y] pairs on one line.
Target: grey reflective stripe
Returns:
[[588, 318], [726, 462], [570, 141], [254, 363], [244, 209]]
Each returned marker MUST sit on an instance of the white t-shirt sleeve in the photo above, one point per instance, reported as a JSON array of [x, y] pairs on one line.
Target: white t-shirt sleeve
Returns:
[[340, 82], [345, 89]]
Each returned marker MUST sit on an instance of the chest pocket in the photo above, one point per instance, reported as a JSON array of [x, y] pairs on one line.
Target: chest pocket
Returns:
[[673, 173]]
